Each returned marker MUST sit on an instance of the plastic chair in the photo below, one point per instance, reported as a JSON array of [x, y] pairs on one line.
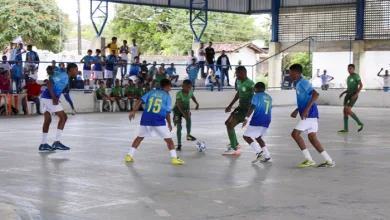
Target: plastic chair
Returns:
[[31, 109], [99, 104]]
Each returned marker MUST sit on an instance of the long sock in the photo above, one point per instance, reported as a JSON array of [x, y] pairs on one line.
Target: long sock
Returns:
[[188, 126], [233, 138], [178, 133], [345, 123], [255, 147], [173, 153], [355, 117], [307, 155], [44, 137], [131, 152], [326, 156], [58, 135], [266, 152]]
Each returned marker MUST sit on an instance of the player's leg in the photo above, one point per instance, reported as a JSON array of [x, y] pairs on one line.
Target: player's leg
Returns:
[[266, 157], [231, 123], [177, 119], [45, 130], [130, 155], [172, 151], [303, 125], [60, 127], [317, 145], [188, 127], [250, 133], [353, 115], [131, 100]]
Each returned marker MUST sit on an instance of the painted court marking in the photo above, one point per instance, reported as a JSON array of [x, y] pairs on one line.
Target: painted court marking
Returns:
[[147, 200], [218, 201], [162, 213]]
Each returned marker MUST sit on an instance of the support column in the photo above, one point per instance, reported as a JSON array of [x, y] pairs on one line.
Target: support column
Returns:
[[99, 43], [275, 20], [358, 47], [359, 20], [275, 65]]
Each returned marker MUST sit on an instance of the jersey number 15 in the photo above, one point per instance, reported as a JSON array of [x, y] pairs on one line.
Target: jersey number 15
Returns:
[[156, 103]]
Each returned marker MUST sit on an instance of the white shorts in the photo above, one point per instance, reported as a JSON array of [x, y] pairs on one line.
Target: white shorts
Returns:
[[108, 74], [309, 125], [48, 106], [153, 131], [29, 66], [98, 75], [87, 74], [255, 131]]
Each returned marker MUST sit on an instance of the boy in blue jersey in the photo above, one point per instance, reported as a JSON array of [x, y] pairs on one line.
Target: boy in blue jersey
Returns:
[[154, 118], [88, 60], [50, 100], [192, 71], [111, 61], [307, 108], [97, 67], [261, 105]]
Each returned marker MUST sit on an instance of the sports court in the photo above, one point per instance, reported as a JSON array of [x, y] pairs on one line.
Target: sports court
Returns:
[[92, 181]]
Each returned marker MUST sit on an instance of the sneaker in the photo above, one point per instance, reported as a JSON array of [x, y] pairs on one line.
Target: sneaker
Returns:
[[129, 159], [178, 147], [327, 164], [177, 161], [258, 157], [266, 160], [343, 132], [229, 146], [360, 127], [231, 152], [306, 163], [45, 147], [73, 112], [191, 138], [59, 146]]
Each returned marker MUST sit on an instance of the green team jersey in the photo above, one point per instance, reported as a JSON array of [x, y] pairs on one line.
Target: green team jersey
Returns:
[[131, 90], [141, 91], [185, 99], [117, 92], [102, 91], [158, 78], [245, 92], [353, 83]]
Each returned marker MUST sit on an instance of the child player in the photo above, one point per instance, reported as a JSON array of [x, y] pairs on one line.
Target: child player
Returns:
[[261, 106], [307, 108], [182, 110], [154, 118]]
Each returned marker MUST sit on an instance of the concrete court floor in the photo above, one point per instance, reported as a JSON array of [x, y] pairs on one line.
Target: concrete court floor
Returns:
[[91, 181]]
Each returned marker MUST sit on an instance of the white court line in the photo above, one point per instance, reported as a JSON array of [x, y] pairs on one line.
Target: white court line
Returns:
[[116, 203], [162, 213], [147, 200], [218, 201]]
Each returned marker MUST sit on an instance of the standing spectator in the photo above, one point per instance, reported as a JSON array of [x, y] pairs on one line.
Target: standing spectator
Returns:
[[144, 71], [33, 92], [5, 82], [5, 65], [152, 72], [171, 71], [386, 80], [111, 61], [210, 56], [112, 46], [287, 80], [223, 64], [201, 59], [325, 80], [192, 71], [32, 62], [62, 67], [211, 81], [97, 67], [88, 60], [54, 66], [191, 57], [17, 71], [135, 51], [124, 50], [135, 69], [18, 52], [10, 52]]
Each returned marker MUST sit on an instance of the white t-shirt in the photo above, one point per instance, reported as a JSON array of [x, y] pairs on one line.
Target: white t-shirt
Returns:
[[189, 60], [325, 79], [200, 57], [5, 66], [386, 81], [208, 79], [124, 52], [224, 62], [134, 51], [11, 54]]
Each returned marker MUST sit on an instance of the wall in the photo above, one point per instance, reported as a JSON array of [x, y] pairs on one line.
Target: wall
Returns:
[[376, 99]]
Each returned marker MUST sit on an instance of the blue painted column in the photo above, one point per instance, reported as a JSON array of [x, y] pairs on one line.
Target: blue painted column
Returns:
[[359, 20], [275, 20]]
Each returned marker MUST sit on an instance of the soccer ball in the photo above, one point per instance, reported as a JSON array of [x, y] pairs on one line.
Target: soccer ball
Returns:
[[201, 146]]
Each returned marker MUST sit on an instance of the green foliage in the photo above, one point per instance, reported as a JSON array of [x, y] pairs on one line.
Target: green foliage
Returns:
[[38, 22], [167, 31], [303, 59]]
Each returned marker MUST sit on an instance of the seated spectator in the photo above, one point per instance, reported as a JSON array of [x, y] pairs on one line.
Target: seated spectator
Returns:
[[102, 95], [33, 93], [141, 91], [131, 94], [144, 71], [152, 72], [17, 71], [5, 65], [117, 94], [171, 71], [211, 81], [55, 67], [135, 69], [5, 82], [158, 77], [62, 67], [192, 71], [147, 88]]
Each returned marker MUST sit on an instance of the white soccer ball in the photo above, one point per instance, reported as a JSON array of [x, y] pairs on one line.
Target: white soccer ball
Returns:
[[201, 146]]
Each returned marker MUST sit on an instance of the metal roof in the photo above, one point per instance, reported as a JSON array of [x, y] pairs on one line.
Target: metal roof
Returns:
[[234, 6]]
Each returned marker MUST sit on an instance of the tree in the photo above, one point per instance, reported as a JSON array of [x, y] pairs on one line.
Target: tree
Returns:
[[38, 22], [303, 59]]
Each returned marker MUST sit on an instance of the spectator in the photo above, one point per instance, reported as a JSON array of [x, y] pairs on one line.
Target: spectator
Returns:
[[140, 92], [211, 81], [159, 76], [18, 52], [325, 80], [55, 67], [287, 80], [111, 61], [192, 71], [144, 71], [152, 72], [10, 51], [386, 80], [33, 92], [88, 60], [131, 94], [191, 57], [112, 46], [135, 69], [5, 82], [62, 67], [124, 50], [17, 71], [5, 65], [210, 56], [32, 62], [171, 71], [102, 95], [135, 51], [201, 59], [147, 88], [223, 64], [97, 67], [117, 94]]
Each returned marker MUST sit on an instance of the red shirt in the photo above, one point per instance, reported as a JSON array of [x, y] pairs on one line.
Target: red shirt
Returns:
[[33, 89], [5, 83]]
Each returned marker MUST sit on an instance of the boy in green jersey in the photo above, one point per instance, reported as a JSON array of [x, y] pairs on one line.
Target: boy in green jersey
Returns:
[[117, 94], [354, 86], [244, 96], [102, 95], [182, 110], [158, 77], [131, 93]]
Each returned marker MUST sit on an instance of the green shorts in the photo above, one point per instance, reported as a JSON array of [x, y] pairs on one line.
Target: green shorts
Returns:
[[178, 116], [348, 101], [239, 114]]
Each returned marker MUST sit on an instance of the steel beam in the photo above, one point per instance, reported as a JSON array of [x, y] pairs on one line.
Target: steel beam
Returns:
[[275, 20], [198, 17], [359, 19], [97, 13]]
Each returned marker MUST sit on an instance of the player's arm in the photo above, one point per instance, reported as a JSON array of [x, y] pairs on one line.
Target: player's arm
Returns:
[[380, 72], [168, 118], [180, 107], [331, 78], [248, 114], [196, 102], [228, 109], [295, 113], [82, 60], [51, 91], [314, 97], [135, 109]]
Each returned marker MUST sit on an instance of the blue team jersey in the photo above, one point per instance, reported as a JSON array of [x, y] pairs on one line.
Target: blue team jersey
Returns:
[[304, 92], [18, 57], [135, 68], [193, 71], [56, 69], [170, 71], [111, 60], [88, 62], [263, 109], [157, 105], [31, 56], [60, 82], [98, 64], [17, 71]]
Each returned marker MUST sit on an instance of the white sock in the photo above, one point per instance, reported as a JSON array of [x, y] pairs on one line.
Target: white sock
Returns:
[[58, 135], [255, 146], [307, 155], [266, 152], [326, 156], [173, 153], [44, 136], [132, 151]]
